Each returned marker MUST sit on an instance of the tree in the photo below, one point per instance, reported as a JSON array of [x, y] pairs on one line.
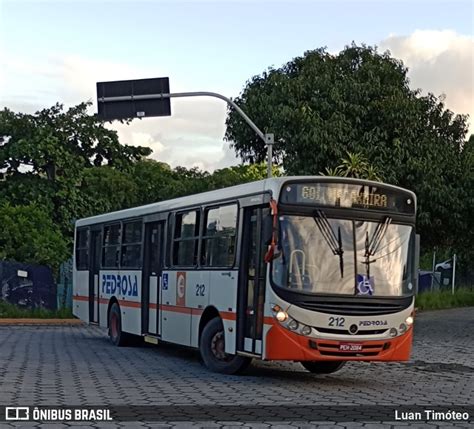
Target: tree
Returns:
[[464, 245], [355, 165], [106, 189], [29, 235], [321, 106], [156, 181], [45, 156], [239, 174]]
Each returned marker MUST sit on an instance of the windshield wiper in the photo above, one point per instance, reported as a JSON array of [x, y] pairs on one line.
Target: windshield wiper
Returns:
[[334, 242], [372, 245]]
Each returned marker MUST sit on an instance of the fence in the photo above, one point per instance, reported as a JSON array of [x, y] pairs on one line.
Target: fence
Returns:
[[445, 276], [64, 287]]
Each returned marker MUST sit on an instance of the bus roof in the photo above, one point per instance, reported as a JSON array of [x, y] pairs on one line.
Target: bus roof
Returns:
[[272, 186]]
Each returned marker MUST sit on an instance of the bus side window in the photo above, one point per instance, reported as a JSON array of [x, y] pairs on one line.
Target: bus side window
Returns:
[[185, 238], [132, 244], [82, 249], [111, 246], [218, 244]]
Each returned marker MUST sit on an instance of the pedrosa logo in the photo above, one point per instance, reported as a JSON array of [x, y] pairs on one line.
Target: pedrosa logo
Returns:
[[125, 285], [373, 323]]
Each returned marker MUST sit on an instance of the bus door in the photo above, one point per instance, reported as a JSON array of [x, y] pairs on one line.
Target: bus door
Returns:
[[151, 277], [251, 291], [94, 267]]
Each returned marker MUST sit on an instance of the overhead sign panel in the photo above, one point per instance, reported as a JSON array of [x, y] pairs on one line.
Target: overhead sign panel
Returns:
[[348, 195], [124, 99]]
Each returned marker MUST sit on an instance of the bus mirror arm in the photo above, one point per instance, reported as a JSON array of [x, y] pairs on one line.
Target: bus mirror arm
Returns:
[[267, 230], [270, 232]]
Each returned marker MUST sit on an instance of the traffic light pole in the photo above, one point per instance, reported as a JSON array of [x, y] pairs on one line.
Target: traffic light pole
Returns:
[[268, 139]]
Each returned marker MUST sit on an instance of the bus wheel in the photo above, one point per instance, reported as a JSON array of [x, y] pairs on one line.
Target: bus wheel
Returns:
[[116, 335], [212, 348], [322, 367]]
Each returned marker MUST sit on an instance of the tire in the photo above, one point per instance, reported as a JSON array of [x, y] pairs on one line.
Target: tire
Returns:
[[323, 367], [211, 346], [117, 337]]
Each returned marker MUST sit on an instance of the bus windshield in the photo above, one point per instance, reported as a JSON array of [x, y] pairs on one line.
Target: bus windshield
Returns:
[[338, 256]]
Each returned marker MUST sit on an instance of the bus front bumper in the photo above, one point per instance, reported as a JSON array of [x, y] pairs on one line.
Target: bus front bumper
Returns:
[[282, 344]]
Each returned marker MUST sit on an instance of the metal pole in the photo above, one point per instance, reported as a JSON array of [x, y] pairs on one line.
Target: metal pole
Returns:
[[454, 272], [269, 160], [267, 138], [433, 270]]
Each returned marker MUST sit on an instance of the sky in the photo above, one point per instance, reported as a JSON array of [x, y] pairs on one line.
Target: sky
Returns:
[[55, 51]]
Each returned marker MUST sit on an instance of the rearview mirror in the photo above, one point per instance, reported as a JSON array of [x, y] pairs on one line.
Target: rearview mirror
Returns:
[[267, 229]]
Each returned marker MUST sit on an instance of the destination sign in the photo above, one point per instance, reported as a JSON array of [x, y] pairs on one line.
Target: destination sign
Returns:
[[348, 195]]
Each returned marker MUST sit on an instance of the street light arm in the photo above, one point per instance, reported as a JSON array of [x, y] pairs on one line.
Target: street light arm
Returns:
[[268, 139]]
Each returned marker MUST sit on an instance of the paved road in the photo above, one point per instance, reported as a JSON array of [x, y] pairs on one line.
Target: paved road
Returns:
[[77, 366]]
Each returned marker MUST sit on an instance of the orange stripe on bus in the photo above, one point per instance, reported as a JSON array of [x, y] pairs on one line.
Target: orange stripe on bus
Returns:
[[176, 309], [197, 311], [132, 304], [268, 320], [226, 315], [124, 302]]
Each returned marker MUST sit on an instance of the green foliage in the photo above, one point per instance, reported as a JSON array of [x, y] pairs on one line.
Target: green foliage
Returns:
[[462, 297], [240, 174], [64, 165], [156, 181], [10, 311], [321, 106], [58, 166], [355, 165], [105, 189], [44, 156], [29, 235]]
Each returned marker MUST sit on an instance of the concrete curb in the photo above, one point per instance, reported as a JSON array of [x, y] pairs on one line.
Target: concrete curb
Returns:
[[42, 322]]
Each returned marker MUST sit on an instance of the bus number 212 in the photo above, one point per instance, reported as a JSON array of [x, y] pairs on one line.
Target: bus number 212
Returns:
[[336, 321], [200, 290]]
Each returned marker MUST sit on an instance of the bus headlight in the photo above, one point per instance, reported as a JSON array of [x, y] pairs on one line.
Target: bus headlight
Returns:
[[409, 320], [393, 332], [306, 330], [281, 316], [293, 325], [402, 328]]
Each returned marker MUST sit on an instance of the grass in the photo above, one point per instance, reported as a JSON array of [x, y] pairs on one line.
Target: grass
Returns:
[[10, 311], [445, 299]]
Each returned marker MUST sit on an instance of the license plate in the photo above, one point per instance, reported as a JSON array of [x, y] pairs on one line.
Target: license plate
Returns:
[[350, 347]]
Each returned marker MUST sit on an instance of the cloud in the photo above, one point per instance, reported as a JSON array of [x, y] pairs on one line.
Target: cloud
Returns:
[[441, 62], [192, 136]]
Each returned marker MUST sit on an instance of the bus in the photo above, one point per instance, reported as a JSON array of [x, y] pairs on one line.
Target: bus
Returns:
[[316, 270]]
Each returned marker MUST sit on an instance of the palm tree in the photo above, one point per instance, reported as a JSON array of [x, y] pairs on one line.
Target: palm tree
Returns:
[[355, 165]]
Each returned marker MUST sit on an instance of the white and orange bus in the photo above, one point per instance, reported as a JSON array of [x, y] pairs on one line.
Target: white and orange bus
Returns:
[[318, 270]]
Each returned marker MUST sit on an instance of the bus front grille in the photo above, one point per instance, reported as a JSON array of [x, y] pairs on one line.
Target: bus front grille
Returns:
[[346, 332], [355, 308]]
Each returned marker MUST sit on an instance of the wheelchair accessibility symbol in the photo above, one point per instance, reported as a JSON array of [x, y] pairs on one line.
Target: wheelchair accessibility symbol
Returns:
[[365, 286]]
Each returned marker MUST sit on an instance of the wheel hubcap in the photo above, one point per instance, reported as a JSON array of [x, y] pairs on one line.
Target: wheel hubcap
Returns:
[[218, 346]]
